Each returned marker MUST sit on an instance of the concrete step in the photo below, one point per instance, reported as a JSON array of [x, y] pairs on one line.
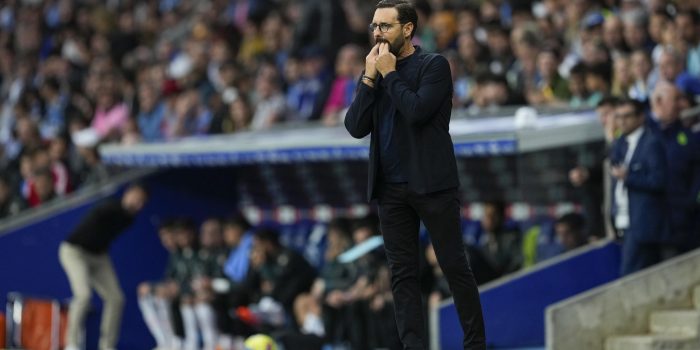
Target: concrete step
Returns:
[[653, 342], [675, 322], [696, 297]]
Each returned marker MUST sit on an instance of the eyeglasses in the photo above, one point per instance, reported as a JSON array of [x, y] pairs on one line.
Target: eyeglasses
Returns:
[[383, 27]]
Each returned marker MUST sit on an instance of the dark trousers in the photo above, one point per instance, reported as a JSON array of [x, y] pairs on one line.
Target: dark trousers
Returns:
[[638, 256], [400, 213]]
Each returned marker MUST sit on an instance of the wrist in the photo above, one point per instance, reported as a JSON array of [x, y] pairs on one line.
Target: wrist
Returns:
[[368, 81], [387, 72]]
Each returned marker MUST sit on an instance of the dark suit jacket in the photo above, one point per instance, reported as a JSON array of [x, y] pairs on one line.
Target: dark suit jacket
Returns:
[[422, 96], [646, 183]]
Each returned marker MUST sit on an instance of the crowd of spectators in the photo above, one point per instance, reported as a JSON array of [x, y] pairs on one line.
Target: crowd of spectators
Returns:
[[232, 280], [75, 74], [227, 280]]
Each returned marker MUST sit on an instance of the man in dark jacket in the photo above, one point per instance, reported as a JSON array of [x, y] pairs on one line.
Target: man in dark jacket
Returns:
[[639, 181], [683, 156], [84, 256], [404, 101]]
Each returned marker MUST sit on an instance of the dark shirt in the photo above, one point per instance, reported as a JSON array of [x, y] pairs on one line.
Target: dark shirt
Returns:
[[100, 227], [290, 275], [389, 158], [683, 156]]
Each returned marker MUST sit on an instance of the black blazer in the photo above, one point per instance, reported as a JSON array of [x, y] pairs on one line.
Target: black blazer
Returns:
[[422, 96]]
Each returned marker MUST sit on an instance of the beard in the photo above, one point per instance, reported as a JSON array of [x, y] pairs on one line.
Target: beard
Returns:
[[394, 46]]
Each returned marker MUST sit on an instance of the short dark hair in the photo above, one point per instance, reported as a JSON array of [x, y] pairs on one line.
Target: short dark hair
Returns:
[[578, 69], [184, 224], [601, 70], [575, 221], [499, 206], [608, 100], [694, 16], [238, 220], [166, 224], [341, 225], [407, 13], [266, 234], [637, 105]]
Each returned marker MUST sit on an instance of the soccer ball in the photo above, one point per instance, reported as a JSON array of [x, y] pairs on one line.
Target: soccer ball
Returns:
[[259, 342]]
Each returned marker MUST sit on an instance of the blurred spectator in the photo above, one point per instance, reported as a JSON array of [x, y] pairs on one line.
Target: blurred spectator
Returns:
[[643, 75], [622, 76], [444, 28], [348, 67], [671, 68], [639, 180], [592, 180], [283, 273], [580, 96], [500, 246], [55, 105], [151, 113], [267, 98], [472, 59], [154, 298], [312, 312], [598, 82], [523, 75], [308, 88], [236, 117], [569, 229], [10, 203], [208, 265], [683, 157], [190, 118], [492, 91], [658, 24], [500, 56], [238, 238], [613, 35], [635, 30], [181, 277], [322, 24], [84, 256], [111, 114], [551, 88], [688, 25]]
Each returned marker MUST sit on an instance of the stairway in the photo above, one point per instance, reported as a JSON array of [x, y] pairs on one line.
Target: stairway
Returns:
[[668, 330]]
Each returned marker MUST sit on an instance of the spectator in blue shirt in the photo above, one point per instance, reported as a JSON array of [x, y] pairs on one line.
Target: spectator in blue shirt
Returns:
[[151, 112]]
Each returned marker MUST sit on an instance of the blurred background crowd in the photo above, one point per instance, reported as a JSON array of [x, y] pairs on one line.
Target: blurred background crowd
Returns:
[[75, 74]]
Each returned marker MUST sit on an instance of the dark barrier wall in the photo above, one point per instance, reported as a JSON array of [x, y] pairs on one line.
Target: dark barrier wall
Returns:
[[514, 312], [30, 253]]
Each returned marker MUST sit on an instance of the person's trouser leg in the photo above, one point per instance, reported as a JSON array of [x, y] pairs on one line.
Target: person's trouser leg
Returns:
[[76, 266], [189, 321], [149, 310], [106, 285], [440, 213], [638, 256], [206, 319], [399, 226]]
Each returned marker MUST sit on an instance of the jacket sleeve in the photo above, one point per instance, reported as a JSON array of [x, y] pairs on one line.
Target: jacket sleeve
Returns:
[[358, 119], [651, 177], [434, 87]]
